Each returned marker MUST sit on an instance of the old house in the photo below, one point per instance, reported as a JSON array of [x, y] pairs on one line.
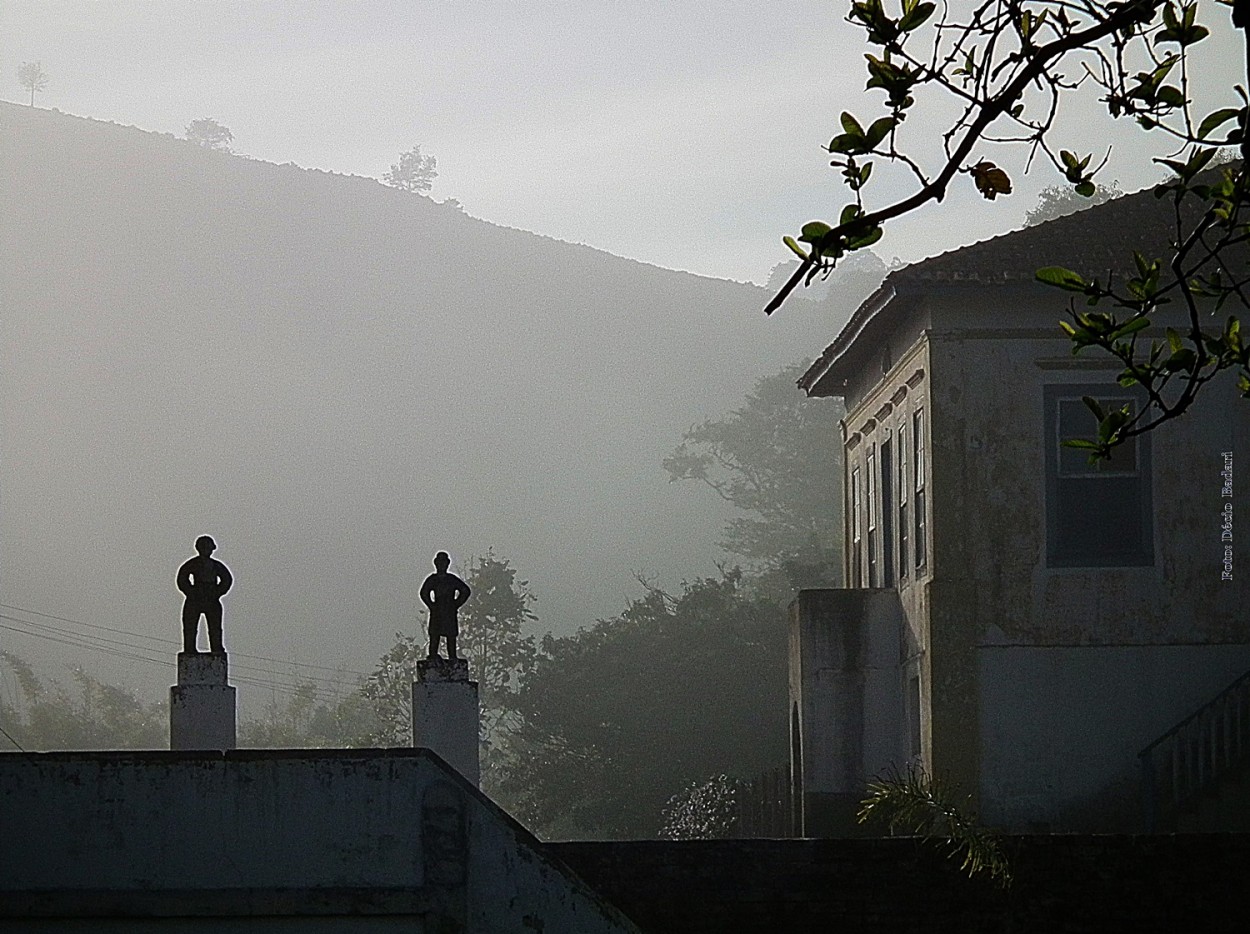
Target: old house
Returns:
[[1014, 620]]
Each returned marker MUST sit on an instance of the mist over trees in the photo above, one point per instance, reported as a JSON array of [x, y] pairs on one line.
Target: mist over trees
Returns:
[[621, 716], [376, 394], [372, 399], [40, 714], [777, 458]]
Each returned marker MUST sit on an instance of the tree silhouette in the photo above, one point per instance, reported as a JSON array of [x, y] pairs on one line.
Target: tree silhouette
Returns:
[[210, 134], [771, 459], [31, 76], [414, 172]]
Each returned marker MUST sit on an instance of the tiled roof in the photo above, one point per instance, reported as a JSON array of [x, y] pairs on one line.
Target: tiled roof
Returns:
[[1093, 242]]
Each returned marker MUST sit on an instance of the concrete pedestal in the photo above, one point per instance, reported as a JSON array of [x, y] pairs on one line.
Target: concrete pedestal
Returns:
[[445, 713], [202, 704]]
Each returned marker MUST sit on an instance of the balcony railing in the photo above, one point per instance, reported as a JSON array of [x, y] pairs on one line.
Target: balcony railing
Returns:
[[765, 806], [1192, 758]]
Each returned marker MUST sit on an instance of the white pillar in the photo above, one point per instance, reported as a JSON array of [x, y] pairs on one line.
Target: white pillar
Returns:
[[445, 712], [202, 704]]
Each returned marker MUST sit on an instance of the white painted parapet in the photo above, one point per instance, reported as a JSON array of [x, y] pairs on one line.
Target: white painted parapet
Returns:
[[445, 714], [202, 703]]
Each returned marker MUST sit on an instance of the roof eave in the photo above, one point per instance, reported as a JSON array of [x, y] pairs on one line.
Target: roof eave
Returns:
[[820, 379]]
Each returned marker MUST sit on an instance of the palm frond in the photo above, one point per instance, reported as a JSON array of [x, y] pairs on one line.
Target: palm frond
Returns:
[[914, 802]]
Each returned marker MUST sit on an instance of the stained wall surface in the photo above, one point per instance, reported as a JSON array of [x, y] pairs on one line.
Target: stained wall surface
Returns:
[[252, 834]]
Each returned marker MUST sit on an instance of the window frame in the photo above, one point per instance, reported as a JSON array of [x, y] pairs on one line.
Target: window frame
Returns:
[[903, 518], [1059, 554], [920, 544]]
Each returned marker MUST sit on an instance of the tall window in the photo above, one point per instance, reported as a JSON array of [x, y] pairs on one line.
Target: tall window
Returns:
[[902, 501], [887, 512], [857, 552], [870, 468], [914, 716], [919, 468], [1097, 515]]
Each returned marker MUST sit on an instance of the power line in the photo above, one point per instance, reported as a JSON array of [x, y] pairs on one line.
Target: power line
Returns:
[[97, 643], [170, 642], [75, 640]]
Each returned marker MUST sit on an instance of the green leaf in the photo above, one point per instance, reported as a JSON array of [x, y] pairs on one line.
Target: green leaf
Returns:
[[790, 242], [1092, 404], [1174, 341], [865, 239], [851, 125], [916, 16], [1170, 95], [1132, 327], [1081, 443], [849, 213], [1216, 119], [814, 230], [847, 143], [1062, 278], [1086, 189], [878, 131]]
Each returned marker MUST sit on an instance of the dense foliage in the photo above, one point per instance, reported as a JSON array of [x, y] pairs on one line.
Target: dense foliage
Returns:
[[623, 715], [42, 715]]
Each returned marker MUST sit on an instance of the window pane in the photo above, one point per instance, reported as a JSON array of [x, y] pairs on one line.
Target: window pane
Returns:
[[1097, 515], [917, 442], [1077, 421]]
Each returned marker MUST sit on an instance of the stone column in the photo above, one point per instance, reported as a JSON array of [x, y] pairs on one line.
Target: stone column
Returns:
[[202, 704], [445, 712]]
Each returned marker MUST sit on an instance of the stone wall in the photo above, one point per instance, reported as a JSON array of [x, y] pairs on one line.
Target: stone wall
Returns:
[[1063, 885], [296, 838]]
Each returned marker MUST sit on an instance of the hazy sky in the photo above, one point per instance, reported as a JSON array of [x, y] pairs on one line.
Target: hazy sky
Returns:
[[685, 134]]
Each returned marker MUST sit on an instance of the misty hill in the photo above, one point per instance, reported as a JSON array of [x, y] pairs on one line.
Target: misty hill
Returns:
[[335, 379]]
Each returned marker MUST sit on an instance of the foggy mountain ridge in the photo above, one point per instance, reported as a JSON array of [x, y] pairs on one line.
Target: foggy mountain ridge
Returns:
[[335, 379]]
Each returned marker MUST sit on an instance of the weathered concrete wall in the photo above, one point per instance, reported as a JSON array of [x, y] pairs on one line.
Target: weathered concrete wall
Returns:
[[1061, 727], [846, 655], [202, 704], [1063, 885], [1064, 728], [318, 834], [989, 461], [446, 713]]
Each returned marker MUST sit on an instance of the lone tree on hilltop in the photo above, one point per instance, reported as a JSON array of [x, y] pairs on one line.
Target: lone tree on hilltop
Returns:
[[1010, 68], [414, 172], [210, 134], [32, 77]]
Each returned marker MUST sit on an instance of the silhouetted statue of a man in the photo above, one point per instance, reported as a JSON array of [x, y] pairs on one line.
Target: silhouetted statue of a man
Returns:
[[203, 580], [444, 593]]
